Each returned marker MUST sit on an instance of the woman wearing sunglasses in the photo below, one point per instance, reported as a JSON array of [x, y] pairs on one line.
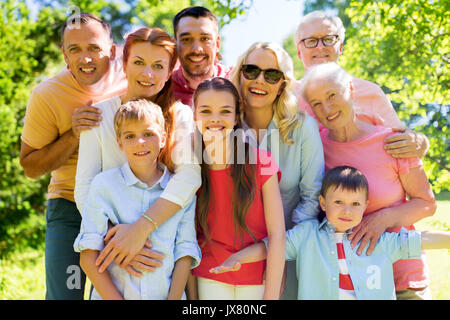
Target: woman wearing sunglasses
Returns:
[[264, 75]]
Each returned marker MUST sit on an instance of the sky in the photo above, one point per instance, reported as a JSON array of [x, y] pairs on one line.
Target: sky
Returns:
[[267, 20]]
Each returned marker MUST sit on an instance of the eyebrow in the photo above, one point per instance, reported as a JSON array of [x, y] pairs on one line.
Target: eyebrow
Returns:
[[160, 60], [188, 34]]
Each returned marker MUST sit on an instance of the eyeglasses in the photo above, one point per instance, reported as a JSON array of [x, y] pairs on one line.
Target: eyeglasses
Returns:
[[251, 72], [327, 41]]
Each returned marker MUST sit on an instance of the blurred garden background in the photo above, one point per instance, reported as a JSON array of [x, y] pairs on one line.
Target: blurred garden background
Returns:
[[403, 45]]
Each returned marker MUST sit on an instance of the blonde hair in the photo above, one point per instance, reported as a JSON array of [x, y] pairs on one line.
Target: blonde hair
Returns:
[[143, 109], [314, 15], [285, 106], [329, 71]]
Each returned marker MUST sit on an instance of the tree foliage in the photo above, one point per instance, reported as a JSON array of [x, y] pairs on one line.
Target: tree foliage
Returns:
[[404, 47], [29, 53]]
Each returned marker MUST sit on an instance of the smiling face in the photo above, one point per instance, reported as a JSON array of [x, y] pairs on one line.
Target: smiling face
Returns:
[[88, 51], [197, 45], [147, 70], [141, 140], [319, 28], [259, 93], [331, 102], [344, 208], [215, 113]]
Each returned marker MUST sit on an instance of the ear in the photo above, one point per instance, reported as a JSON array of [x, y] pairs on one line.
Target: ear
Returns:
[[341, 48], [299, 54], [322, 202], [350, 84], [119, 143], [163, 140], [112, 55], [66, 59]]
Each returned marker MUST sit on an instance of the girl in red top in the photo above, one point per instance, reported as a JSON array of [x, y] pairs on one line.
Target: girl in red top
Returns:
[[239, 202]]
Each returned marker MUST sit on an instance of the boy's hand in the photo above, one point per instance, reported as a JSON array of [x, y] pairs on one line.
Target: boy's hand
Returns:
[[146, 260], [231, 264]]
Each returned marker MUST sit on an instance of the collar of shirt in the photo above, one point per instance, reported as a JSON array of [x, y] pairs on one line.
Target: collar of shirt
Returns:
[[130, 179], [330, 228]]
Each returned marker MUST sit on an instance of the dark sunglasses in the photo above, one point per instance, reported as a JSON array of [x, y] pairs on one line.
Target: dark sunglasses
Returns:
[[251, 72]]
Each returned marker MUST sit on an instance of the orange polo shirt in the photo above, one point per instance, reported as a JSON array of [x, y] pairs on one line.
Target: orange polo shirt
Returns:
[[49, 115]]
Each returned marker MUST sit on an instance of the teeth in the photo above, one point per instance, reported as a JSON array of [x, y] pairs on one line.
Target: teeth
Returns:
[[87, 70], [196, 59], [214, 128], [257, 91], [144, 83], [333, 116], [142, 153]]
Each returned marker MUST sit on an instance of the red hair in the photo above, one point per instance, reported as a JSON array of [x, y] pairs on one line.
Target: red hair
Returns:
[[164, 98]]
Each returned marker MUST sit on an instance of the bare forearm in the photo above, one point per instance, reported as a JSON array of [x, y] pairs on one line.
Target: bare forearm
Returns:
[[159, 212], [435, 240], [180, 276], [101, 281], [409, 212], [191, 287], [275, 266], [50, 157]]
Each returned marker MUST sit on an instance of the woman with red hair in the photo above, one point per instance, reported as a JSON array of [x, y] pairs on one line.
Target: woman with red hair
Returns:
[[149, 56]]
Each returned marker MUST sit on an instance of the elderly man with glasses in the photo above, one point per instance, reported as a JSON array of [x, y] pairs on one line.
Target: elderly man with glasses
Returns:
[[320, 39]]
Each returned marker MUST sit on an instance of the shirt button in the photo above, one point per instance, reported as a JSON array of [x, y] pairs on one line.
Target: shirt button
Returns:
[[332, 252], [334, 278]]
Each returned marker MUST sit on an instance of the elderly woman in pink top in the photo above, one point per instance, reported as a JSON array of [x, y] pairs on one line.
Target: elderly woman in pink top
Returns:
[[349, 141]]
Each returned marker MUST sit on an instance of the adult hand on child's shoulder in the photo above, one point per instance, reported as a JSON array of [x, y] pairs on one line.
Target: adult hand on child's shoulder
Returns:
[[370, 230]]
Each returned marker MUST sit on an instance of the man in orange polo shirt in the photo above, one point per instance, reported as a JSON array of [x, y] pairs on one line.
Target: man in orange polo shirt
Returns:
[[58, 110], [320, 38]]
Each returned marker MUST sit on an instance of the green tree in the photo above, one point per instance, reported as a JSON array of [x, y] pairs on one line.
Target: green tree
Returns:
[[404, 47]]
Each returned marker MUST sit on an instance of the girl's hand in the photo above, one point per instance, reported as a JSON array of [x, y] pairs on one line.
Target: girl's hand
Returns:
[[125, 241], [370, 229], [231, 264]]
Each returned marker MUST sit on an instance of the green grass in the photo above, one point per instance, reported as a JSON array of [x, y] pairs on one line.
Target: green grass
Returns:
[[439, 260], [22, 276]]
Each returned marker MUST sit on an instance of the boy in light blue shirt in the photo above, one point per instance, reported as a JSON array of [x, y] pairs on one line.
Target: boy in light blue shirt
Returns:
[[327, 270], [120, 195]]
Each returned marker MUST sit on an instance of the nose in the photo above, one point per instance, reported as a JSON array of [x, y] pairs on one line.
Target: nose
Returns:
[[86, 57], [196, 46], [148, 71]]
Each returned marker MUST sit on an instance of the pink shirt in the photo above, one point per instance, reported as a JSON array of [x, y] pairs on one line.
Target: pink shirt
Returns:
[[385, 189], [371, 104], [181, 89]]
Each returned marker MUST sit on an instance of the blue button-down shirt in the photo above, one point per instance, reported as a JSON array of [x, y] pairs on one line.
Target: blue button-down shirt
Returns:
[[313, 246], [301, 165], [117, 195]]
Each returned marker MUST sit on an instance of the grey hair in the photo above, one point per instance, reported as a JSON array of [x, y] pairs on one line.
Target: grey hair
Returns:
[[329, 71], [320, 15]]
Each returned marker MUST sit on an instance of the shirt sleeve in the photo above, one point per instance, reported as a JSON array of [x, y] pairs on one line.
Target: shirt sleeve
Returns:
[[405, 164], [186, 240], [294, 238], [94, 223], [312, 170], [89, 164], [267, 166], [40, 127], [185, 182], [403, 245]]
